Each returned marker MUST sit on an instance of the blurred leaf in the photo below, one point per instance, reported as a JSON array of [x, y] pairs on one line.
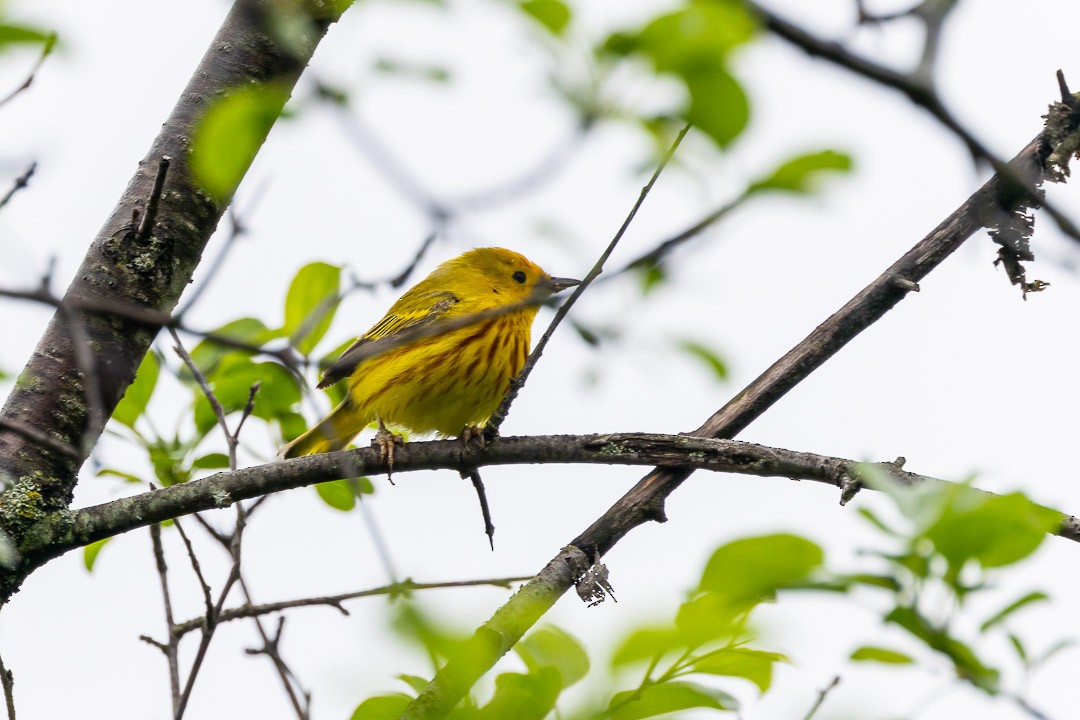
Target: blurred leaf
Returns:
[[718, 105], [117, 473], [416, 682], [552, 14], [310, 304], [90, 553], [232, 383], [888, 582], [701, 34], [432, 73], [653, 700], [992, 530], [230, 134], [208, 353], [646, 644], [711, 616], [1001, 615], [23, 35], [168, 457], [711, 359], [753, 665], [138, 393], [967, 665], [338, 494], [1018, 646], [292, 425], [877, 522], [523, 697], [870, 653], [756, 567], [801, 174], [652, 277], [1053, 650], [555, 648], [211, 461], [382, 707], [413, 624]]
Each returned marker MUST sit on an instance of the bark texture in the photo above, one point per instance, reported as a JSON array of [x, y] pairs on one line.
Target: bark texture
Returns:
[[87, 357]]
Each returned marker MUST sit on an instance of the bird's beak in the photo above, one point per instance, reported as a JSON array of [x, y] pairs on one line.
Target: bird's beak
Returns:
[[559, 284]]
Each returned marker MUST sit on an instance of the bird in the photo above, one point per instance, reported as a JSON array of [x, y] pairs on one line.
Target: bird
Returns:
[[447, 383]]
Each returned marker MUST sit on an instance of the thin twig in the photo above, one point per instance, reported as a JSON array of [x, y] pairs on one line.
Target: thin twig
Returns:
[[7, 679], [473, 475], [271, 648], [20, 182], [919, 92], [195, 566], [34, 435], [46, 49], [335, 601], [171, 649], [150, 216], [822, 694], [491, 429]]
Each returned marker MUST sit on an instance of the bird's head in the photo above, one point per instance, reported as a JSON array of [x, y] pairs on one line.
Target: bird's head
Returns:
[[507, 276]]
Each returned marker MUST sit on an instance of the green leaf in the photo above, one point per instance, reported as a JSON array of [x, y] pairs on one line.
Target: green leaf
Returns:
[[138, 393], [338, 494], [1001, 615], [211, 461], [90, 553], [646, 644], [871, 653], [753, 665], [992, 530], [1018, 646], [652, 277], [967, 665], [104, 472], [711, 616], [416, 682], [877, 522], [753, 568], [718, 105], [387, 66], [653, 700], [552, 647], [168, 458], [310, 304], [230, 134], [23, 35], [706, 355], [232, 382], [803, 173], [382, 707], [552, 14], [209, 353], [701, 34], [523, 697]]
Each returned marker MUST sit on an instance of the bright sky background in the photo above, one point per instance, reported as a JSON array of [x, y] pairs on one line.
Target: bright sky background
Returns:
[[963, 378]]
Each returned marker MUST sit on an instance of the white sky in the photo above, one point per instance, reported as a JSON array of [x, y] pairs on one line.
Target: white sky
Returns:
[[962, 378]]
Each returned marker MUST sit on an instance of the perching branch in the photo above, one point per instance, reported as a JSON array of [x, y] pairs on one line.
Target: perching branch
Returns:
[[80, 527]]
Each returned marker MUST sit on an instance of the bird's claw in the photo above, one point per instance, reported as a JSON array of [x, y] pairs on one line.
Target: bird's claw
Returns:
[[473, 434], [386, 441]]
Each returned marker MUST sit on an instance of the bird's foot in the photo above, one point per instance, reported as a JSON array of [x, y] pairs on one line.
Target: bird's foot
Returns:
[[386, 441], [473, 435]]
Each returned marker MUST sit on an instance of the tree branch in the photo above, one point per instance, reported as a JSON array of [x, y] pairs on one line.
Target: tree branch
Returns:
[[1001, 195], [684, 453], [150, 273]]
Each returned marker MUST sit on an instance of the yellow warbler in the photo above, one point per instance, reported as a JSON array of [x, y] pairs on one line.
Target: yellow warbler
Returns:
[[449, 383]]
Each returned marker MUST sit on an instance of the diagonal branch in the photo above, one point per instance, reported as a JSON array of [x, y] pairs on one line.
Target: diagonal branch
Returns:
[[645, 501]]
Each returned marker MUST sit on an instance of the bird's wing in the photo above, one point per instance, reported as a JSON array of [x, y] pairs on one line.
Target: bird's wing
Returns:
[[396, 321]]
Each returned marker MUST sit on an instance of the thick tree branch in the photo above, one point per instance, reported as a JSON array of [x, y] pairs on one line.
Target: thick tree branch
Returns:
[[148, 272], [1000, 196], [65, 531]]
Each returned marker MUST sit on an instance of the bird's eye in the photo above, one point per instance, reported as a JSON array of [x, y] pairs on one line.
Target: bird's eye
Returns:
[[519, 277]]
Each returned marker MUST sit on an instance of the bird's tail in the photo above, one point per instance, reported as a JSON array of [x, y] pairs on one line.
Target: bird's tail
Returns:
[[333, 432]]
